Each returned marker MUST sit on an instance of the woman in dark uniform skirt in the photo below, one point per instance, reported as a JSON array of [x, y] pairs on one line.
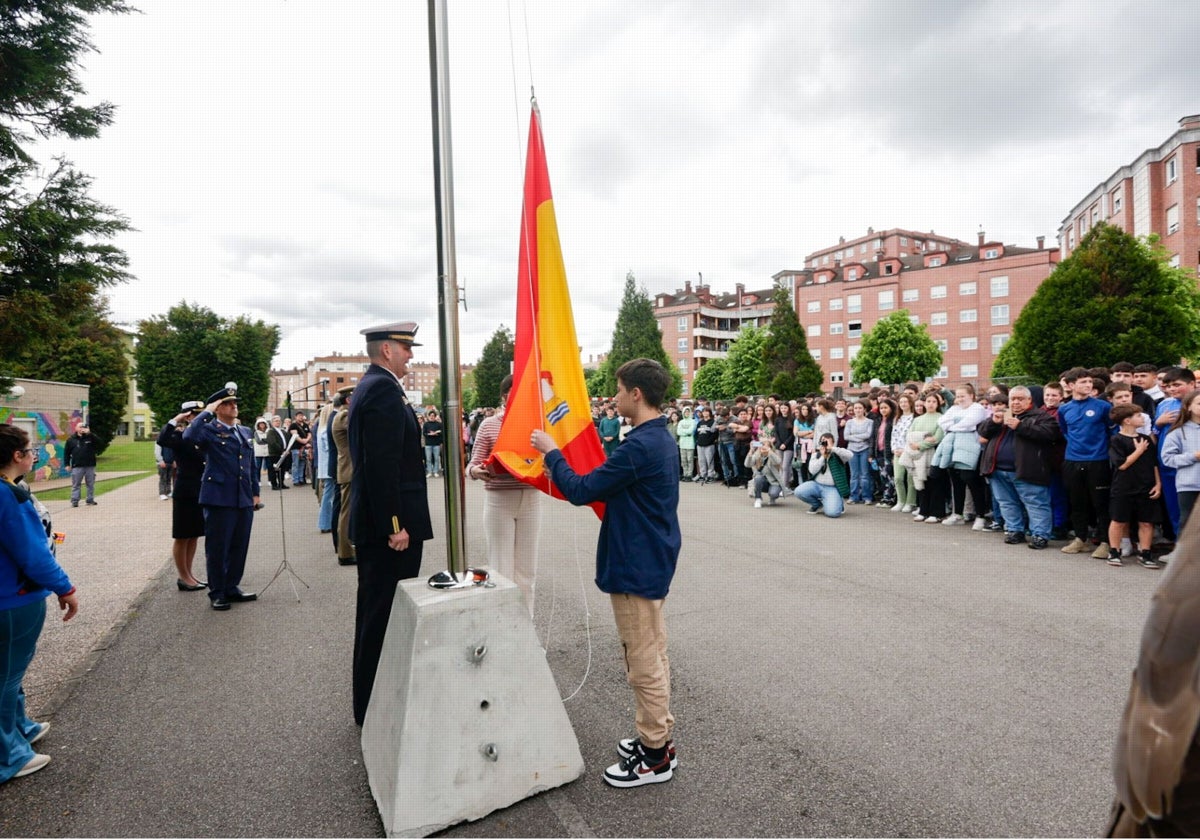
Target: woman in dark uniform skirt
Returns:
[[187, 517]]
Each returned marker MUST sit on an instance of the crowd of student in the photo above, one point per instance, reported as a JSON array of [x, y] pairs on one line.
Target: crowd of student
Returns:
[[1101, 459]]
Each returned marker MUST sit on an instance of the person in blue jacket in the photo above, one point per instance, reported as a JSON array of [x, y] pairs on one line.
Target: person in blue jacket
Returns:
[[635, 557], [28, 574], [228, 493]]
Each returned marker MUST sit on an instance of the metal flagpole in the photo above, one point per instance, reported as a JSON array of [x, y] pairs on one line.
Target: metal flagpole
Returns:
[[457, 575]]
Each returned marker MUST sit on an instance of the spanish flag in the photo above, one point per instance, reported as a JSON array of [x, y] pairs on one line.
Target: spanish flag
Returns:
[[548, 390]]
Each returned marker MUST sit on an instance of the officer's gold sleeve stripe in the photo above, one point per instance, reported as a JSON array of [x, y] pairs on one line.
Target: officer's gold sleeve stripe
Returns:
[[395, 525]]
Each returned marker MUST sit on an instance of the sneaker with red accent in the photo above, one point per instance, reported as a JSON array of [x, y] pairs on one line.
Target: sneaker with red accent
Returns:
[[628, 747], [636, 771]]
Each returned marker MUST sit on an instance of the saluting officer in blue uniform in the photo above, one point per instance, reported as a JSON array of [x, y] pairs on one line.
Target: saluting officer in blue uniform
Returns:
[[389, 508], [228, 494]]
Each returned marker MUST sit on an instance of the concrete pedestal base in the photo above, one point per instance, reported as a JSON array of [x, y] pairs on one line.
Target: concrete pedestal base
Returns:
[[464, 717]]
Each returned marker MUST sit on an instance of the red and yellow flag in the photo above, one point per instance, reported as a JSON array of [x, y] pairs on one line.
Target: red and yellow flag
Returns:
[[548, 390]]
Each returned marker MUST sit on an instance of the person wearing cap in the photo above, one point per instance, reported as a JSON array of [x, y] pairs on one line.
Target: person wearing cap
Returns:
[[389, 515], [339, 428], [187, 517], [80, 455], [229, 494]]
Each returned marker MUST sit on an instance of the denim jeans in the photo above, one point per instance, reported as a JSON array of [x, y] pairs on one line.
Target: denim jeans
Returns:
[[1036, 498], [728, 462], [1004, 491], [860, 476], [825, 495], [433, 459], [19, 631], [1023, 504]]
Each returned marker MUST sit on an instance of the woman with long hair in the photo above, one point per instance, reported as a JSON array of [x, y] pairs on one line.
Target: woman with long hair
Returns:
[[706, 446], [803, 429], [29, 573], [1181, 451], [785, 442], [959, 452], [906, 491], [932, 484], [882, 446]]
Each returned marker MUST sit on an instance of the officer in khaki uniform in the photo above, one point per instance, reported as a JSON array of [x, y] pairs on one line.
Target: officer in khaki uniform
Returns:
[[340, 427], [389, 509]]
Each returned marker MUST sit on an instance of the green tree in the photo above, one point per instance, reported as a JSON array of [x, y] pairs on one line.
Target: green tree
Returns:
[[746, 367], [896, 350], [54, 262], [791, 371], [191, 352], [495, 363], [709, 381], [1115, 298], [635, 336], [42, 45]]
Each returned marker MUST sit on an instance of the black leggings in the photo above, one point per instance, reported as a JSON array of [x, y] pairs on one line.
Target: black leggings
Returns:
[[932, 497], [962, 480]]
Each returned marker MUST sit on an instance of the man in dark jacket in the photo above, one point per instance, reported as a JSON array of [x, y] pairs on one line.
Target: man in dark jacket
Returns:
[[389, 509], [1017, 460], [80, 455]]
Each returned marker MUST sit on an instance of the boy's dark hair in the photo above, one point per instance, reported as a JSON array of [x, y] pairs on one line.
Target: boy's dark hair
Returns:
[[648, 376], [1178, 374], [1121, 412], [1100, 371], [1113, 387], [1055, 386], [1099, 383], [1122, 367], [1069, 376], [1145, 367]]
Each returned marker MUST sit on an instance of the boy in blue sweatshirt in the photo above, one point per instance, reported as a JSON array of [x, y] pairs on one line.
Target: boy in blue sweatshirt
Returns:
[[1177, 381], [635, 557], [1086, 471]]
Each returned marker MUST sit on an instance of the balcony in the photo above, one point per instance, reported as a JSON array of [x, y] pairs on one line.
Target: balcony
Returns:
[[712, 332]]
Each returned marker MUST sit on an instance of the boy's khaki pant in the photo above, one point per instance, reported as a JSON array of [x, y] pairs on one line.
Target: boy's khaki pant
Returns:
[[644, 636]]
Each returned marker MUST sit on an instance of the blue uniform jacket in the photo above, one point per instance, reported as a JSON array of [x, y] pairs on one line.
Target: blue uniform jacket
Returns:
[[639, 485], [28, 571], [1084, 424], [230, 476]]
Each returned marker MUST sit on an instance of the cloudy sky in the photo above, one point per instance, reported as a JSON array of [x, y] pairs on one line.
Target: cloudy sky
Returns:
[[275, 155]]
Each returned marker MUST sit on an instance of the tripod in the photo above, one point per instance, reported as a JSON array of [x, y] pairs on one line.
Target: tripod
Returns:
[[283, 564]]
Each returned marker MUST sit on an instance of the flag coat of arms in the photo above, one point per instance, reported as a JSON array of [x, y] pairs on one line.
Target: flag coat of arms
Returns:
[[548, 390]]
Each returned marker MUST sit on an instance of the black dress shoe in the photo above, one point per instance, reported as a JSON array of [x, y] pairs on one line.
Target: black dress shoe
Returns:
[[220, 603], [183, 587], [238, 596]]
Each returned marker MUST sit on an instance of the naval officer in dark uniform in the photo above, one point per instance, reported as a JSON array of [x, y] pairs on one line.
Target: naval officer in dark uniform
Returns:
[[389, 510], [228, 494]]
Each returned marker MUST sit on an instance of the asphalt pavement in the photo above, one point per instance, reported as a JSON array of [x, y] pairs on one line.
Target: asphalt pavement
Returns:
[[865, 676]]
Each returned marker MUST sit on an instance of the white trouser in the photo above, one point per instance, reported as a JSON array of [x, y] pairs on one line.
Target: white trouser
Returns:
[[512, 522]]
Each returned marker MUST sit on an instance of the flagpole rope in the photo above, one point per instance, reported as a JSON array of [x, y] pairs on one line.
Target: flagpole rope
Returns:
[[587, 617], [512, 62]]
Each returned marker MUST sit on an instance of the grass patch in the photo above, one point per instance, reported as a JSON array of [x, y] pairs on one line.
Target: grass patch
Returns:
[[119, 457]]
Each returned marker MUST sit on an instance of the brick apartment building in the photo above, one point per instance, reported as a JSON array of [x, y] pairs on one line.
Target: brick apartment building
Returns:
[[305, 383], [1157, 193], [967, 295], [697, 325]]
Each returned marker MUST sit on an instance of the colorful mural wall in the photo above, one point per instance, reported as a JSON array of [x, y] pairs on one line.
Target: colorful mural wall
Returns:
[[53, 429]]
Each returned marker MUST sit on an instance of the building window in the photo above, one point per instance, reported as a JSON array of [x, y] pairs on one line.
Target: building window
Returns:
[[682, 324], [1174, 261], [836, 353], [683, 365], [825, 260], [943, 372], [814, 330], [1071, 238], [879, 242], [852, 274], [854, 350], [969, 343], [999, 287], [914, 319], [967, 288], [815, 352], [998, 342], [835, 329], [887, 300], [862, 248], [837, 376], [683, 345], [855, 329], [991, 254], [1173, 218], [1172, 171], [943, 344], [914, 295], [1198, 211], [935, 262], [835, 304], [903, 240], [937, 292], [968, 316], [999, 314], [938, 319], [684, 389], [968, 371], [1116, 203], [854, 303], [814, 306]]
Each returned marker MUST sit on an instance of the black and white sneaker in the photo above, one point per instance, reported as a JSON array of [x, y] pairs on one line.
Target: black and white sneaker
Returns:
[[635, 771], [628, 748]]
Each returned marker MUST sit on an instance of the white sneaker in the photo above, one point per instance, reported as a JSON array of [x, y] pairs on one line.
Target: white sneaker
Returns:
[[41, 733], [1126, 547], [896, 508], [758, 503], [932, 520], [906, 509], [917, 517], [953, 519], [162, 497], [33, 765], [978, 524]]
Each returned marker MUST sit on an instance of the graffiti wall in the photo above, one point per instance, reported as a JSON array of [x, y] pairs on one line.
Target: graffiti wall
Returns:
[[49, 431]]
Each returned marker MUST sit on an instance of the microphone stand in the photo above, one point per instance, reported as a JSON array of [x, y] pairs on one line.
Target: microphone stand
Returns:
[[283, 564]]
